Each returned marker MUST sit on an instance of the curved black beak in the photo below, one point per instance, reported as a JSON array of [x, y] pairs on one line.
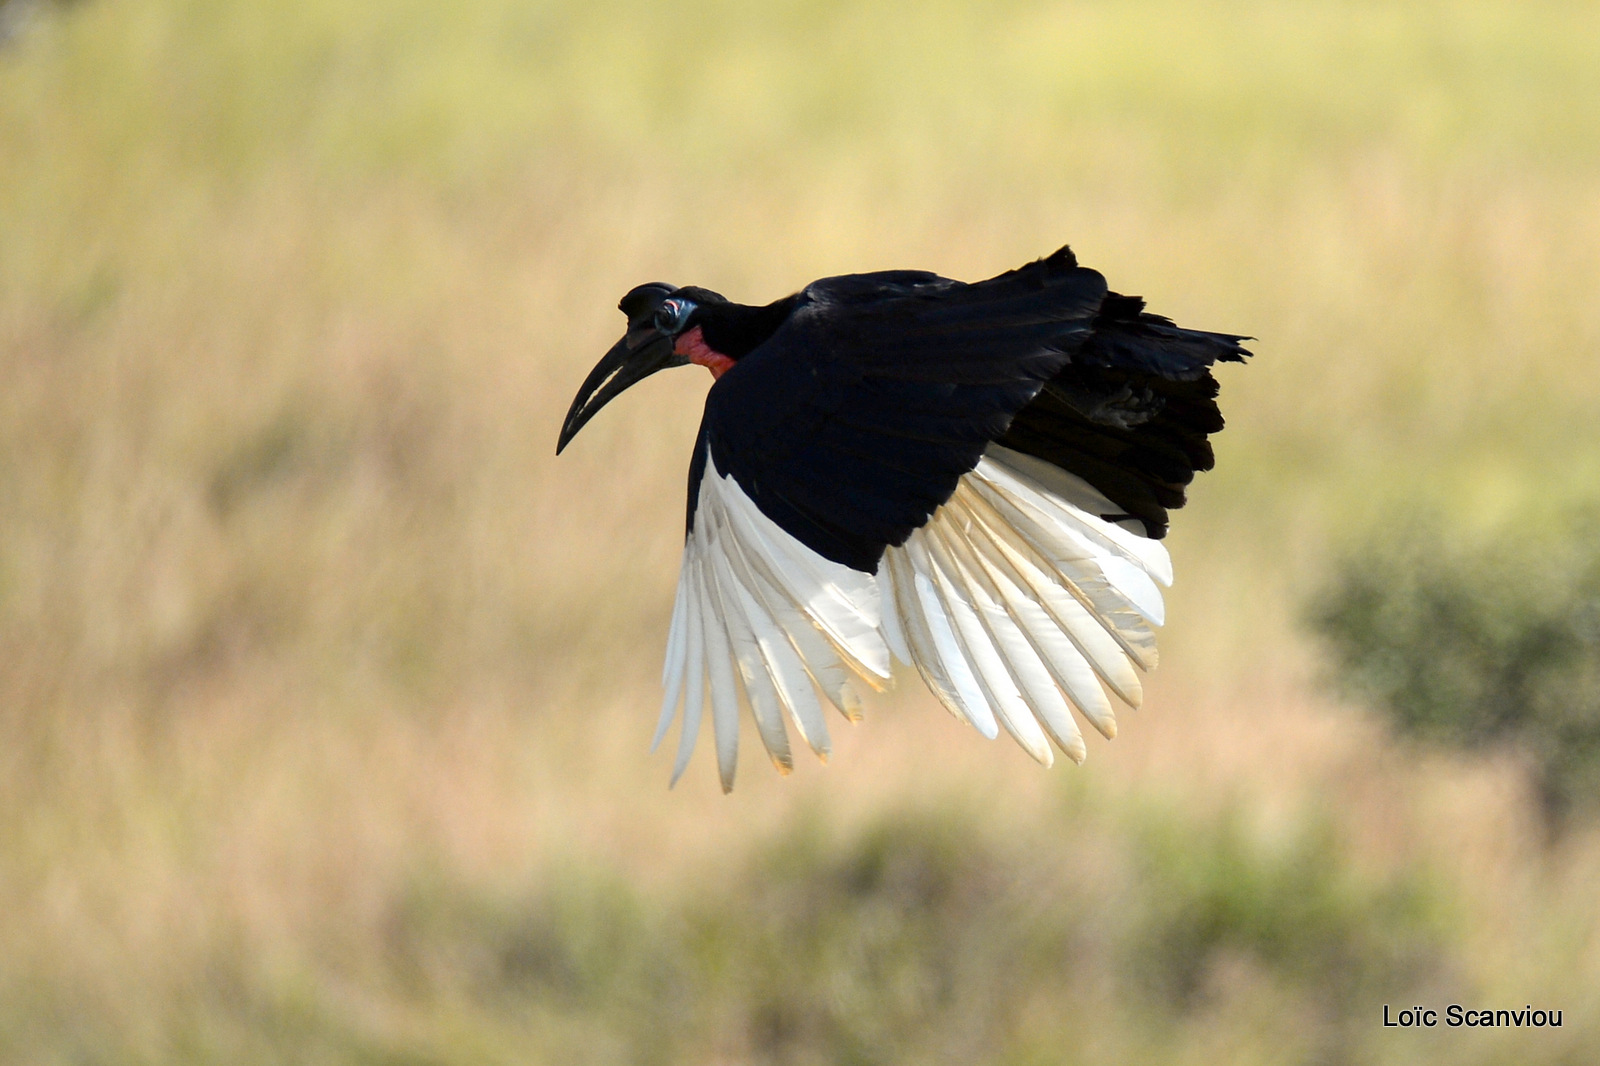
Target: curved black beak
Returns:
[[640, 353]]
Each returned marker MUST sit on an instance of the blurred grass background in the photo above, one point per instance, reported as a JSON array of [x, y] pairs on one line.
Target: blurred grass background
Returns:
[[325, 688]]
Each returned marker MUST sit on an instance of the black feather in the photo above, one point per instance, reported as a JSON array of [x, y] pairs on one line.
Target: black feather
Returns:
[[856, 405], [1131, 412]]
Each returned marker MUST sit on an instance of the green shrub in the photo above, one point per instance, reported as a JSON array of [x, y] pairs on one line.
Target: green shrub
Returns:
[[1292, 909], [1493, 643], [1085, 934]]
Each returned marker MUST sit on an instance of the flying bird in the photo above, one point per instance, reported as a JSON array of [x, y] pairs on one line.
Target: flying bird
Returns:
[[973, 479]]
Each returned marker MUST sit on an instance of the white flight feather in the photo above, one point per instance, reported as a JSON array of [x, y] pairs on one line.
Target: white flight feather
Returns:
[[894, 633], [841, 601], [1060, 530], [672, 669], [1014, 602], [745, 625], [814, 654], [1000, 653], [785, 577], [820, 659], [1093, 640], [900, 598], [1074, 570], [1077, 670], [760, 615], [695, 658], [967, 698], [1048, 658], [771, 625], [725, 687], [1068, 488], [998, 692]]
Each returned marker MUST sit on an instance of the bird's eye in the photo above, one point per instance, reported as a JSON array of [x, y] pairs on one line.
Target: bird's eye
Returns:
[[671, 315]]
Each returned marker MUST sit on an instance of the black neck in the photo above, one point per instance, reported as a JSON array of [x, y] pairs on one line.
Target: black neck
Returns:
[[735, 330]]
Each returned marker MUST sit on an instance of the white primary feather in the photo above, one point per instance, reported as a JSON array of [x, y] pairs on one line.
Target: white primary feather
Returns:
[[1041, 697], [695, 661], [939, 655], [1049, 660], [770, 619], [1059, 533], [746, 625], [1085, 498], [903, 612], [1072, 559], [725, 686], [842, 602], [992, 644], [1039, 597], [794, 648], [760, 615], [1014, 602], [1046, 586], [673, 669]]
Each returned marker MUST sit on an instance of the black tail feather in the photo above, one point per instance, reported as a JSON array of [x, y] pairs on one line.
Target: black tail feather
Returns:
[[1131, 412]]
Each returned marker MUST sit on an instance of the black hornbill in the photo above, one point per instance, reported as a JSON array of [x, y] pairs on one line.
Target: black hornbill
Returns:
[[974, 478]]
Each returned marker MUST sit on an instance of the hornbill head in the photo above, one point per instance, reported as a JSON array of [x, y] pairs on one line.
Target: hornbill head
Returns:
[[658, 314]]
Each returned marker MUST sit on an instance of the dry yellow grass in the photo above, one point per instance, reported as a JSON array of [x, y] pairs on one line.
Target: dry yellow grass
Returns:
[[304, 631]]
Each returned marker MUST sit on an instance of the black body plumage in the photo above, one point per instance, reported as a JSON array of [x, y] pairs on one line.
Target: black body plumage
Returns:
[[855, 406], [853, 420]]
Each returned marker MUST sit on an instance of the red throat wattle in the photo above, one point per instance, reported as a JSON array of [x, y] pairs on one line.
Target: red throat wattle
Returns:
[[693, 345]]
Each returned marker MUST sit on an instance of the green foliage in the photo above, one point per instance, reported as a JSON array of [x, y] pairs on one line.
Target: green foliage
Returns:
[[920, 937], [1296, 909], [1480, 645]]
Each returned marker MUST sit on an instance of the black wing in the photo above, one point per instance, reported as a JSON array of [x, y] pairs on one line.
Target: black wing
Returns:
[[1131, 411], [855, 420]]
